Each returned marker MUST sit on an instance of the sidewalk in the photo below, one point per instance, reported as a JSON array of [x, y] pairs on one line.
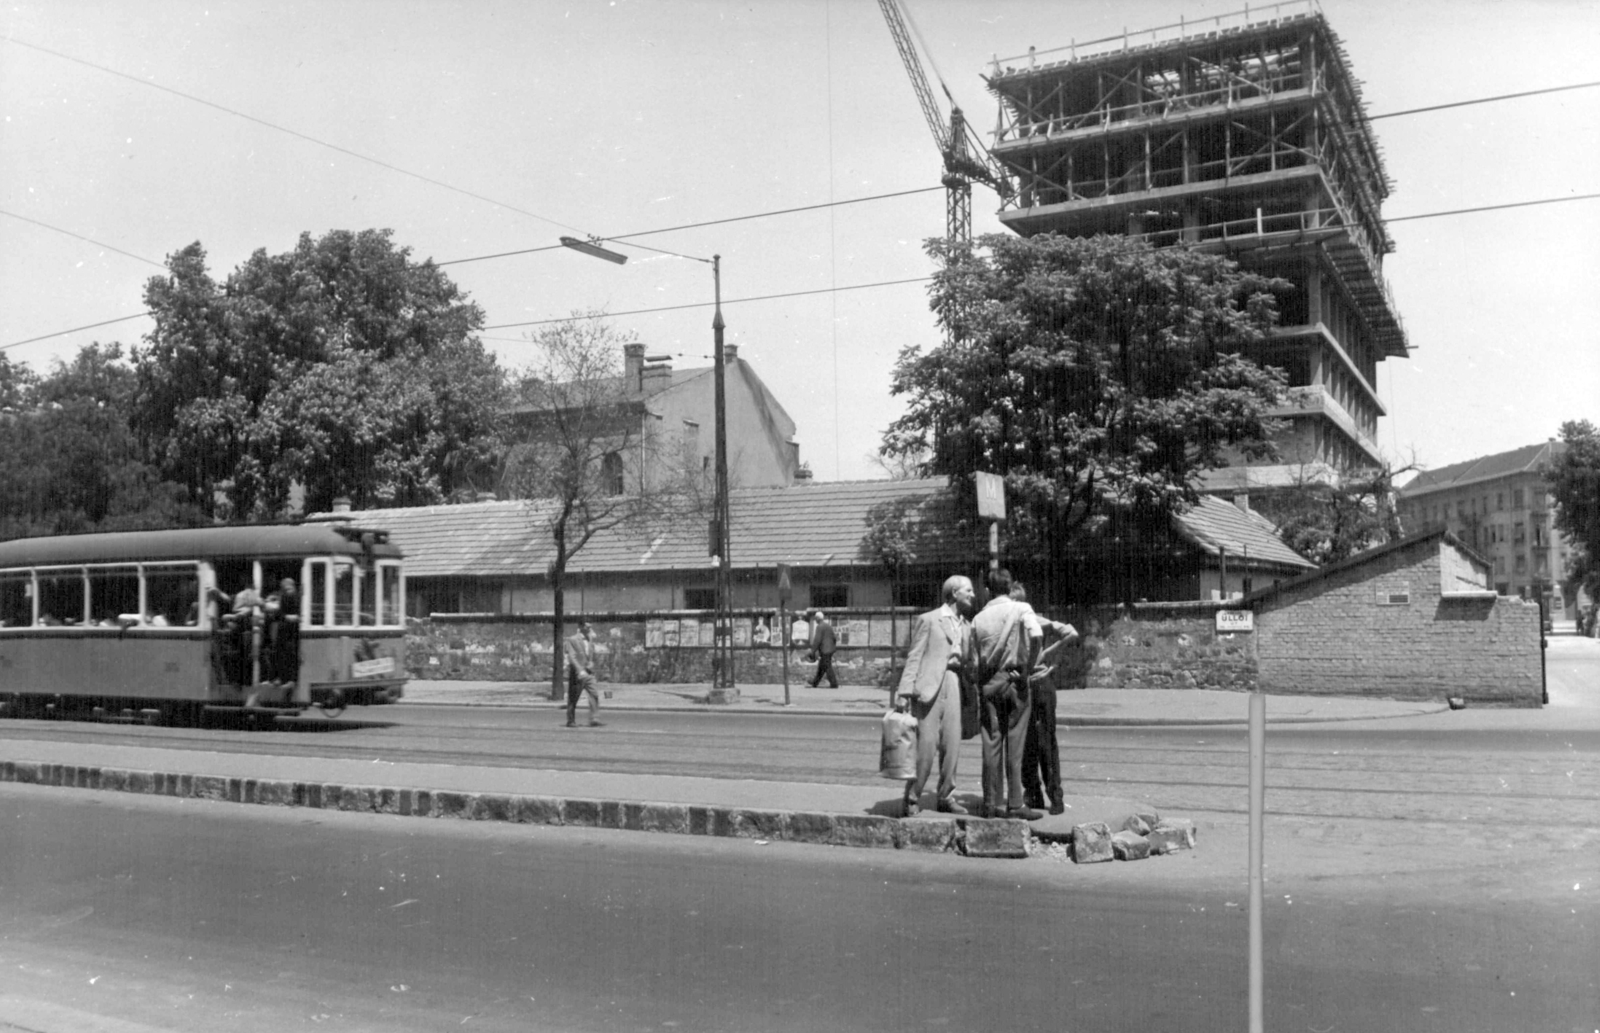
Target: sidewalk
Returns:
[[1078, 708]]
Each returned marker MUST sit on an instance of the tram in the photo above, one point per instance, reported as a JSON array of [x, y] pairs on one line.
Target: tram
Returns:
[[162, 626]]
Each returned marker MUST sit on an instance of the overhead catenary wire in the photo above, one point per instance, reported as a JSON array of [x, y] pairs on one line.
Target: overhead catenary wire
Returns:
[[797, 294]]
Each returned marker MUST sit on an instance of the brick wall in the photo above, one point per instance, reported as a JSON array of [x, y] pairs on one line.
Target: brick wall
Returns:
[[1350, 634]]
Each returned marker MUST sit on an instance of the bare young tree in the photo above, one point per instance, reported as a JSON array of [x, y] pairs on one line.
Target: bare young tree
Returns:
[[583, 453]]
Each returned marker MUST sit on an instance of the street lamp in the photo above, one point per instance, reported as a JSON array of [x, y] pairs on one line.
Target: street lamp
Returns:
[[723, 687]]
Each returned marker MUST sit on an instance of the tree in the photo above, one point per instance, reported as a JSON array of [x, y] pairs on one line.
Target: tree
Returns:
[[71, 462], [1326, 523], [1574, 478], [583, 453], [341, 366], [1099, 377]]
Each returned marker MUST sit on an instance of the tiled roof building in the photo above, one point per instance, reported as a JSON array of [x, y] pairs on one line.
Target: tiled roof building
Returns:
[[492, 557]]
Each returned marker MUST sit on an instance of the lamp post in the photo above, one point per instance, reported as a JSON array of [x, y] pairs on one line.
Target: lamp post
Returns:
[[723, 686]]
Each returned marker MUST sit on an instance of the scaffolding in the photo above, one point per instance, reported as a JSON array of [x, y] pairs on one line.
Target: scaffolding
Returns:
[[1244, 133]]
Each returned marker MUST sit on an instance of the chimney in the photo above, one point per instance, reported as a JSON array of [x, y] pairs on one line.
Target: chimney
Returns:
[[657, 373], [730, 353], [1242, 500], [341, 505], [633, 367]]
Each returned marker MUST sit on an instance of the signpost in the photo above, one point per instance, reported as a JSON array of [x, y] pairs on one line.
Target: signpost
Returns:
[[992, 508]]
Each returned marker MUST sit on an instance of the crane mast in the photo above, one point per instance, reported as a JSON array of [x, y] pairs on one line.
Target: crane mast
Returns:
[[952, 139]]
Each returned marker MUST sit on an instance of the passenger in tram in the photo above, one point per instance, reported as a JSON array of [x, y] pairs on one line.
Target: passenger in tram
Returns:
[[280, 649], [235, 650]]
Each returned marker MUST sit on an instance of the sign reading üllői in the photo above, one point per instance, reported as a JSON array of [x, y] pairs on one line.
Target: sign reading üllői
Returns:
[[1229, 621]]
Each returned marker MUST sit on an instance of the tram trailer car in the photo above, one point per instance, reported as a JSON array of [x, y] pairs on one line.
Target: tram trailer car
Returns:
[[152, 624]]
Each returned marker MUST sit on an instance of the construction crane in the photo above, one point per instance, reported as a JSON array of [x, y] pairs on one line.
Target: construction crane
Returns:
[[965, 157]]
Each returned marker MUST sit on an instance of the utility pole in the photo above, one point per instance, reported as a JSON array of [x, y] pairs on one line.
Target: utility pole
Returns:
[[723, 687]]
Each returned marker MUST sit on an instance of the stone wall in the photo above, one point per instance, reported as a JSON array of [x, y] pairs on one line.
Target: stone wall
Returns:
[[1149, 646]]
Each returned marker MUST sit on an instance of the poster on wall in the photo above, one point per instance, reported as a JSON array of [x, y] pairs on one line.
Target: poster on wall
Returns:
[[761, 632], [852, 632], [708, 633], [741, 631], [688, 633], [652, 633], [669, 633]]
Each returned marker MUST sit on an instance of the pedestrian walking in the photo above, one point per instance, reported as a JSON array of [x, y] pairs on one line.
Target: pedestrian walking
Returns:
[[1041, 753], [940, 657], [580, 675], [823, 643], [1007, 637]]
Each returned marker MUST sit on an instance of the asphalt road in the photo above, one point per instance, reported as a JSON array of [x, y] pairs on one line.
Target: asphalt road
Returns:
[[190, 915]]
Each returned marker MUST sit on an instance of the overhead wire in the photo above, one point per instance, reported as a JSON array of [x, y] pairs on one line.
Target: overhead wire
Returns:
[[79, 236], [686, 226]]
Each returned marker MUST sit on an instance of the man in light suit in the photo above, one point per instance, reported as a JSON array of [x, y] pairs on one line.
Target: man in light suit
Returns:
[[941, 648]]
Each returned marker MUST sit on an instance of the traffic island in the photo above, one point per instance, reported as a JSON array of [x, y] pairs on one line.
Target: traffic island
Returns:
[[969, 836]]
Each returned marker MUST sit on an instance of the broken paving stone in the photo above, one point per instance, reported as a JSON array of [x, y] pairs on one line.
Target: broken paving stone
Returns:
[[1091, 842], [1180, 830], [1136, 824], [1129, 846]]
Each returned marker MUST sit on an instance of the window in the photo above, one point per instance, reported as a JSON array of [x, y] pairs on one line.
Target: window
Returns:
[[829, 597], [16, 599], [1522, 565], [171, 596], [61, 597], [699, 598], [344, 593], [611, 473], [1516, 498], [1500, 503], [317, 592], [113, 593], [391, 602], [1501, 587]]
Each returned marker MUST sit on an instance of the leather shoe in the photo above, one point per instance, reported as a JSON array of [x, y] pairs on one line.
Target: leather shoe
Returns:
[[910, 809], [1057, 807], [596, 724], [951, 807], [1036, 802], [572, 724], [1025, 813]]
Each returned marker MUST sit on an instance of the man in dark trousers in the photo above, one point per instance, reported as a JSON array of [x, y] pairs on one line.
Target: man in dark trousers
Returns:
[[940, 654], [1041, 755], [1007, 636], [823, 643], [580, 674]]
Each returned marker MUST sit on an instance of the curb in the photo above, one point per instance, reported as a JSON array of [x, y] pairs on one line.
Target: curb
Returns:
[[972, 837], [1061, 722]]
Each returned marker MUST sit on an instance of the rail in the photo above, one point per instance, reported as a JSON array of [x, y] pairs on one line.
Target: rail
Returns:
[[1183, 29]]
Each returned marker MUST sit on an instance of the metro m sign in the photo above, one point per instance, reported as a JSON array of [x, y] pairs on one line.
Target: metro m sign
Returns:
[[991, 496]]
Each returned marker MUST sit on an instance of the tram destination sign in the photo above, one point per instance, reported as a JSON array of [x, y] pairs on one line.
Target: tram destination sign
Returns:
[[372, 668]]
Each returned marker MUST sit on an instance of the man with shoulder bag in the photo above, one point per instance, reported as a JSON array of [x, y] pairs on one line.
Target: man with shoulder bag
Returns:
[[1007, 638]]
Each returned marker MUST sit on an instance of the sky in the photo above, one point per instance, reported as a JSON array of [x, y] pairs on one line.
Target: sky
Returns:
[[136, 127]]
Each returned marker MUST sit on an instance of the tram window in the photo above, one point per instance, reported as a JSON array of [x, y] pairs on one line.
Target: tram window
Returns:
[[389, 611], [61, 597], [344, 594], [16, 600], [112, 593], [369, 597], [317, 593], [172, 596]]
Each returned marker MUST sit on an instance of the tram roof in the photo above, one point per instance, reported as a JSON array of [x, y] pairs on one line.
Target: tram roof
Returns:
[[251, 541]]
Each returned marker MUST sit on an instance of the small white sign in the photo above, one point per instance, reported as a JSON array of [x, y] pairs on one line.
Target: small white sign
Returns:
[[371, 668], [991, 496], [1229, 621]]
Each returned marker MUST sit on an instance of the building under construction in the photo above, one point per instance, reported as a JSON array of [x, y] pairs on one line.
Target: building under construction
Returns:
[[1243, 134]]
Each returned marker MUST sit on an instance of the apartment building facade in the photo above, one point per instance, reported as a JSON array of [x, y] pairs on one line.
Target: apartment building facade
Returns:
[[1501, 506]]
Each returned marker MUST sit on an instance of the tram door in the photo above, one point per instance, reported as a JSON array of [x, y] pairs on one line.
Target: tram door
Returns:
[[282, 593], [232, 646]]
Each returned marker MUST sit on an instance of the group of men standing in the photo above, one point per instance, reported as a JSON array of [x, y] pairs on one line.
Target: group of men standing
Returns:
[[990, 668]]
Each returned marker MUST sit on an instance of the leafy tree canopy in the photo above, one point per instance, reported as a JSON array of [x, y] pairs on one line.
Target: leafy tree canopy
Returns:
[[1095, 375], [1326, 524], [71, 462], [342, 366], [1575, 483]]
